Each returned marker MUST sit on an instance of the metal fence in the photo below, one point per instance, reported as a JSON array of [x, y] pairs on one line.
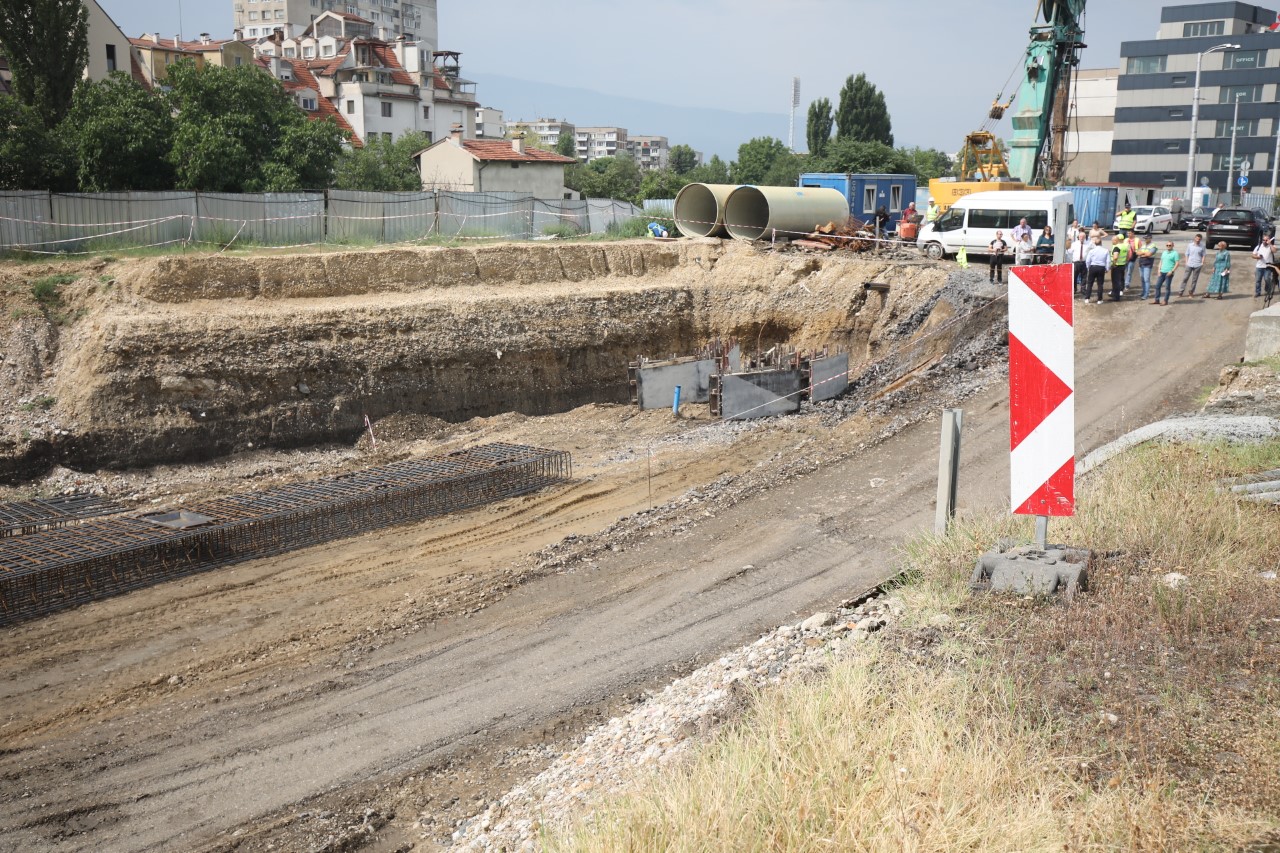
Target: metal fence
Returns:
[[84, 223]]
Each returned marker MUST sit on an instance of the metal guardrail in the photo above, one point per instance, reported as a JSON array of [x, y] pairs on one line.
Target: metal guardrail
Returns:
[[52, 570]]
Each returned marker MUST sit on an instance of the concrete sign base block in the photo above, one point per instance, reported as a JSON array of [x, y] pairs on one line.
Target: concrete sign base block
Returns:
[[656, 382], [1263, 338], [1027, 570], [759, 394]]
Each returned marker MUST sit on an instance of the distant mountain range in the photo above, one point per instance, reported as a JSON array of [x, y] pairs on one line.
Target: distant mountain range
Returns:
[[708, 130]]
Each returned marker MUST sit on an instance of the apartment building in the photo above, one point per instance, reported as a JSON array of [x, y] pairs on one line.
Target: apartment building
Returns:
[[380, 89], [416, 20], [1154, 99], [595, 142], [650, 152], [156, 53], [490, 124], [548, 130]]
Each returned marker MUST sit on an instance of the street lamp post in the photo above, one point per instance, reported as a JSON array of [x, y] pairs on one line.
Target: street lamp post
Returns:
[[1195, 115], [1275, 161], [1231, 158]]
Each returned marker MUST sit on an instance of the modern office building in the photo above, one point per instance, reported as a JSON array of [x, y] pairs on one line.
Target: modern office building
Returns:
[[1092, 125], [1152, 133]]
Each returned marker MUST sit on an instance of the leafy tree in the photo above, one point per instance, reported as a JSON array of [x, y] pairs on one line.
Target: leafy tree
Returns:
[[567, 146], [863, 115], [785, 171], [382, 166], [237, 130], [47, 45], [682, 158], [714, 171], [119, 134], [32, 157], [607, 177], [850, 155], [756, 158], [928, 163], [818, 131], [661, 183]]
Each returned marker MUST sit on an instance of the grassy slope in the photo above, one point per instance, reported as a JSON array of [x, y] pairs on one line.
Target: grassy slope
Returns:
[[1138, 717]]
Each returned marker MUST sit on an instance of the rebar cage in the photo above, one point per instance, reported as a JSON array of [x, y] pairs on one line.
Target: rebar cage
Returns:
[[47, 567]]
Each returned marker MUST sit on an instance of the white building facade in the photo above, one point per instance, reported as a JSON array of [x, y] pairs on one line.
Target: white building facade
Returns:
[[416, 20]]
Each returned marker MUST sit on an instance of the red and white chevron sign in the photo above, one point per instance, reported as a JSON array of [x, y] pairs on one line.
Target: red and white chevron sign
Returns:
[[1042, 379]]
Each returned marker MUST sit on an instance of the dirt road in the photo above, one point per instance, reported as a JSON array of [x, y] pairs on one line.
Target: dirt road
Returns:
[[289, 703]]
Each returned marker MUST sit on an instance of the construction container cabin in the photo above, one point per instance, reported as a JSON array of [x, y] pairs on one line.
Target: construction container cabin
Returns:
[[866, 193]]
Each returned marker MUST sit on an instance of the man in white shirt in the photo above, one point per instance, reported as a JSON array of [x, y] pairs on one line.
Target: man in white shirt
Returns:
[[1021, 230], [1097, 259], [1077, 253], [1265, 255]]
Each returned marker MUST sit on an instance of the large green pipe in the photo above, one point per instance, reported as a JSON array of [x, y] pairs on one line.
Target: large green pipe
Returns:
[[699, 209], [751, 213]]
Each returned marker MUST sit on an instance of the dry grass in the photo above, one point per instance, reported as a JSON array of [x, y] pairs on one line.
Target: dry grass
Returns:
[[1139, 717]]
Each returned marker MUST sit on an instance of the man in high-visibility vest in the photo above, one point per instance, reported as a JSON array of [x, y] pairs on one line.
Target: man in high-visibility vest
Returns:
[[1126, 220], [932, 211]]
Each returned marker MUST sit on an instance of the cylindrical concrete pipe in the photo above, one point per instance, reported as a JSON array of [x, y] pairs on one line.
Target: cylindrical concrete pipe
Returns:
[[699, 209], [752, 213]]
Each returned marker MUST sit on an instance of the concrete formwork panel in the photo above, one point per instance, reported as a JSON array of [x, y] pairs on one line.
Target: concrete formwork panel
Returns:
[[830, 377], [760, 394], [1263, 338], [656, 382]]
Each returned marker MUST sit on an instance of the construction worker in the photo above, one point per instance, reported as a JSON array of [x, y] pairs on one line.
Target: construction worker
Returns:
[[932, 211], [1119, 260], [1126, 220]]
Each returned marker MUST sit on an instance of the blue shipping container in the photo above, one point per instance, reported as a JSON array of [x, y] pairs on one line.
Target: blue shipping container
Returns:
[[1094, 204], [865, 193]]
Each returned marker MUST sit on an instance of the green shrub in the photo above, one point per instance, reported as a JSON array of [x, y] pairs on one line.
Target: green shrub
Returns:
[[47, 290]]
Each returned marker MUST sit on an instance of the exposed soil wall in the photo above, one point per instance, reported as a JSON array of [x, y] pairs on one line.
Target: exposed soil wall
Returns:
[[186, 358]]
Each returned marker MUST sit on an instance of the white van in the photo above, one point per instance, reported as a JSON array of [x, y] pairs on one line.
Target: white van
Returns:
[[972, 221]]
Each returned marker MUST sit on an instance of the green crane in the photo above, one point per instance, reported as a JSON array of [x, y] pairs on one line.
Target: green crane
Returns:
[[1037, 150]]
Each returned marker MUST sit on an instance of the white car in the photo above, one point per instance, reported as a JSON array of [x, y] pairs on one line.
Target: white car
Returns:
[[1150, 220]]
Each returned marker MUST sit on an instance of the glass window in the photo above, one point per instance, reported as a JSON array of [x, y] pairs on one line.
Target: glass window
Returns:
[[386, 109], [1037, 219], [1243, 94], [868, 199], [1145, 64], [952, 220], [895, 197], [1244, 59], [111, 57], [979, 218], [1203, 28], [1244, 127], [351, 107], [1222, 161], [253, 16]]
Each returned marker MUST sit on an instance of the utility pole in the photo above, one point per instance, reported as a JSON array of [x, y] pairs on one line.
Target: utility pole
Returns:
[[1231, 161], [1195, 115]]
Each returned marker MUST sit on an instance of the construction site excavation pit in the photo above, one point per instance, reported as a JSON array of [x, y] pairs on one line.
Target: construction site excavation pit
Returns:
[[178, 360]]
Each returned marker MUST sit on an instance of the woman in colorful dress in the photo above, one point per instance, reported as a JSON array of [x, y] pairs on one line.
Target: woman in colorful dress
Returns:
[[1221, 273]]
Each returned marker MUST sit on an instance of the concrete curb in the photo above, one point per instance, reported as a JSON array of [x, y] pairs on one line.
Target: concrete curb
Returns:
[[1241, 428]]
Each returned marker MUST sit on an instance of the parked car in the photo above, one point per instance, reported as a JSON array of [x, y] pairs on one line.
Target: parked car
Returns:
[[1265, 217], [1237, 226], [1196, 219], [1150, 220]]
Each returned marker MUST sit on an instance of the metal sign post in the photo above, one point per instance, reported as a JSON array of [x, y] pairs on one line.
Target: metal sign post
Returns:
[[1041, 394]]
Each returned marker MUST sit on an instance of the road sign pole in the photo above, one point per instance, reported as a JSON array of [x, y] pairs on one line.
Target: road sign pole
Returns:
[[1041, 393]]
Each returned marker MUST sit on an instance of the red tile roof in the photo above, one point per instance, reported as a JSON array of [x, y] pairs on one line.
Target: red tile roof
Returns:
[[350, 17], [304, 79], [162, 44], [387, 56], [502, 150]]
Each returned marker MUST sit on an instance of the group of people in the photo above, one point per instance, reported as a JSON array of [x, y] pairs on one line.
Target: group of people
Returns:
[[1095, 257], [1025, 250]]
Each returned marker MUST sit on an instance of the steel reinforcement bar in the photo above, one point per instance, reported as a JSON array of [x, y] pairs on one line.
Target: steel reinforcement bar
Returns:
[[22, 517], [52, 570]]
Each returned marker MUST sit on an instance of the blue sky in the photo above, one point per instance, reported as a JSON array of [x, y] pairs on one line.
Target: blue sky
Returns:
[[739, 55]]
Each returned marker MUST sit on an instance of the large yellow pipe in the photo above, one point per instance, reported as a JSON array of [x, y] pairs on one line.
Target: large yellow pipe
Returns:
[[752, 213], [699, 209]]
